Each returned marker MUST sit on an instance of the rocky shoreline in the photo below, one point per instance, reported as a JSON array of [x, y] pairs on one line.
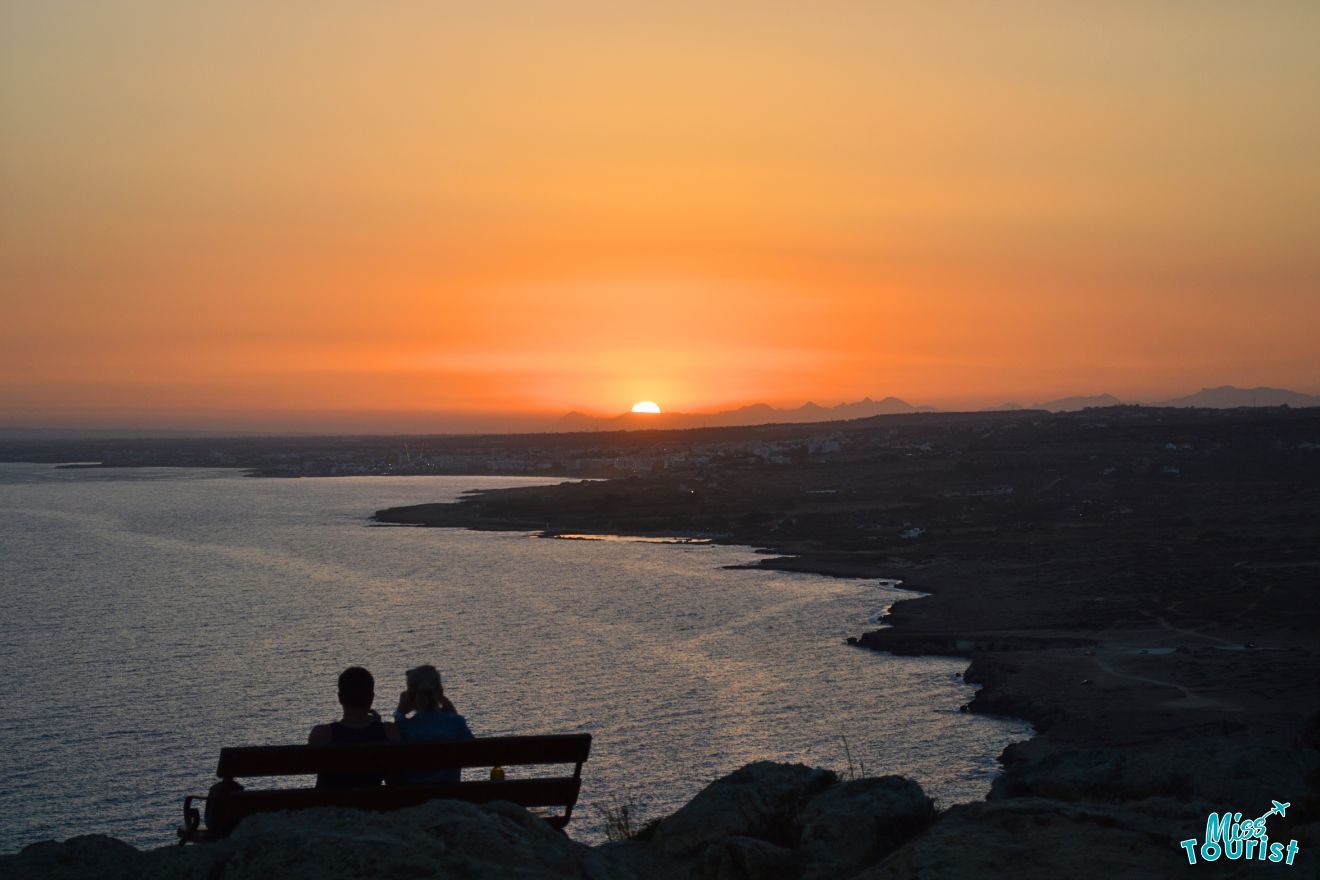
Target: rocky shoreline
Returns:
[[766, 821], [1157, 624], [1142, 590], [1106, 727]]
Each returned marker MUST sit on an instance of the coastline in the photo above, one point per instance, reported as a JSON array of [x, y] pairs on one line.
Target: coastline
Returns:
[[1000, 659], [812, 612], [449, 515], [1159, 653], [435, 516], [1155, 623]]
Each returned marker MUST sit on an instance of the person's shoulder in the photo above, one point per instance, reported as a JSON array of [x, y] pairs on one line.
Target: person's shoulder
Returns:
[[320, 735]]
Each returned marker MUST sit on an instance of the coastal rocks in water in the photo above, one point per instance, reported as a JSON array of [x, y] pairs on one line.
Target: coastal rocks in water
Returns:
[[437, 839], [761, 800], [860, 821]]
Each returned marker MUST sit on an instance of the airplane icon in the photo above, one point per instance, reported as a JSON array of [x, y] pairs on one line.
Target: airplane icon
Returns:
[[1277, 810]]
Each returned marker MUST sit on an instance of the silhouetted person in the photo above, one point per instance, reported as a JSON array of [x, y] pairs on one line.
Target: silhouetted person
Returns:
[[360, 724], [434, 719]]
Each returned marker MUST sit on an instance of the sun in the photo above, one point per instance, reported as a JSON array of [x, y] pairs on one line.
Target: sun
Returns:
[[646, 406]]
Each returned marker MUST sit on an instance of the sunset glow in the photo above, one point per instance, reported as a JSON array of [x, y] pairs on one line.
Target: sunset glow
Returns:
[[440, 218]]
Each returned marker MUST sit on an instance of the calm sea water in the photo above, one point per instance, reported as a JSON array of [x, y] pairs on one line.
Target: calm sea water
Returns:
[[152, 616]]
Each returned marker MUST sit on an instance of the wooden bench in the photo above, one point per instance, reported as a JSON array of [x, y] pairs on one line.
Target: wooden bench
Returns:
[[227, 806]]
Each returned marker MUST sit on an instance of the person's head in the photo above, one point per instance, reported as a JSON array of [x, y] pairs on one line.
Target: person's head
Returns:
[[424, 686], [356, 688]]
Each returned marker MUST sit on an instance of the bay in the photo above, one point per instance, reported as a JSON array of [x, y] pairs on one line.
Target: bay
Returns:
[[152, 616]]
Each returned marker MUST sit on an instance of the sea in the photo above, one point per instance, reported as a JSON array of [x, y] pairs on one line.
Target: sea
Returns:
[[151, 616]]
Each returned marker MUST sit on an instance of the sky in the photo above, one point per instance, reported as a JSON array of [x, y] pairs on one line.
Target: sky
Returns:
[[435, 216]]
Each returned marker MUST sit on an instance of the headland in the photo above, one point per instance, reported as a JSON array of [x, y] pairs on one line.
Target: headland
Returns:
[[1140, 584]]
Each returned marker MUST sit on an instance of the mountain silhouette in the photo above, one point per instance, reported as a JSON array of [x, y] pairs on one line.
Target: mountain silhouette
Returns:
[[1071, 404], [1223, 397], [1229, 397], [752, 414]]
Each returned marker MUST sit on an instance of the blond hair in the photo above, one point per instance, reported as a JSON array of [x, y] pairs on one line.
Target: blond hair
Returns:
[[425, 687]]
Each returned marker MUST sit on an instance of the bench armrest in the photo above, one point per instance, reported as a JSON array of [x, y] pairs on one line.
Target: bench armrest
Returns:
[[192, 816], [191, 829]]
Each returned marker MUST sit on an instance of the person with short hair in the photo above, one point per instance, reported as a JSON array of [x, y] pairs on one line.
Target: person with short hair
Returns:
[[359, 724], [433, 719]]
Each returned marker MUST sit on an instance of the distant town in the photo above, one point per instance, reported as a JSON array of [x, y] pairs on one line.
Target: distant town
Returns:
[[699, 453]]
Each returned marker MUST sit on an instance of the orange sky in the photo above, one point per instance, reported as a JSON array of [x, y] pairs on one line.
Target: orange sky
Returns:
[[356, 216]]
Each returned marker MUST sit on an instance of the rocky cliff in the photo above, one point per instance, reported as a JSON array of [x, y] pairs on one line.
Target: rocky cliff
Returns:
[[766, 821]]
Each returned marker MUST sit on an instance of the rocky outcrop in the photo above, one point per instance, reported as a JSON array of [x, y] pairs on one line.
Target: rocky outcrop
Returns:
[[761, 801], [858, 822], [438, 839], [787, 821], [746, 858], [1037, 838], [766, 821], [92, 855], [1207, 767]]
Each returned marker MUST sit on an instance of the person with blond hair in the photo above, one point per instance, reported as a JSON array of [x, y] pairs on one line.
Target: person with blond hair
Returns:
[[425, 714]]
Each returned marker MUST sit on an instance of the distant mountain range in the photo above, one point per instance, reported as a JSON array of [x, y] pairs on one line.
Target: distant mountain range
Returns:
[[1223, 397], [1228, 397], [1072, 404], [755, 414]]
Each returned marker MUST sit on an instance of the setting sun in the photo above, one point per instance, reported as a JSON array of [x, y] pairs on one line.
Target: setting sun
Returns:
[[646, 406], [1128, 207]]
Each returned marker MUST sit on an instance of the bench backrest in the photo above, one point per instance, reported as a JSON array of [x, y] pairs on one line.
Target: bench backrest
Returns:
[[385, 758], [391, 758]]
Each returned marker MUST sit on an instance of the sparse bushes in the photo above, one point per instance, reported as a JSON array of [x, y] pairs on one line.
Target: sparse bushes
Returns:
[[623, 821]]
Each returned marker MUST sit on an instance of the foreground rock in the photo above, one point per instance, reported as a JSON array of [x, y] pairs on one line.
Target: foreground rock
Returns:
[[1039, 838], [771, 820], [439, 839], [766, 821], [859, 822], [760, 801]]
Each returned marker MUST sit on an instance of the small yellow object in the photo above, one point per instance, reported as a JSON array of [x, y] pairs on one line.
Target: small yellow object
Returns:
[[496, 774]]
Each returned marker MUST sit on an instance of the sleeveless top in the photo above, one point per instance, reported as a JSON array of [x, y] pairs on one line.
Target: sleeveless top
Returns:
[[342, 733]]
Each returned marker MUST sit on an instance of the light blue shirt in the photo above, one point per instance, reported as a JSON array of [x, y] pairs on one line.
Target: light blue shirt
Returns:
[[431, 726]]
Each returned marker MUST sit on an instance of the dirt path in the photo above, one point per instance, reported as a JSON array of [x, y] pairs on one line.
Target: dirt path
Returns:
[[1191, 632], [1190, 699]]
